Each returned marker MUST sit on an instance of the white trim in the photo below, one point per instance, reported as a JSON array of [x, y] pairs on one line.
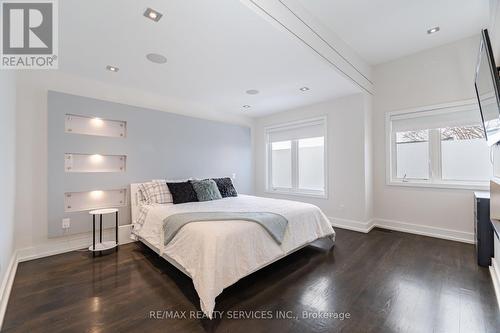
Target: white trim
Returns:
[[495, 278], [425, 230], [417, 229], [311, 194], [435, 169], [294, 123], [364, 227], [291, 124], [434, 107], [66, 244], [447, 185], [6, 287]]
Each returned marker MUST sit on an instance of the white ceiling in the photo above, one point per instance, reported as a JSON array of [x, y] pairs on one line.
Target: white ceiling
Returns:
[[383, 30], [215, 51]]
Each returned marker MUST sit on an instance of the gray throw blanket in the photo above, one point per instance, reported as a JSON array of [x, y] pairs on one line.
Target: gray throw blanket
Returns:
[[274, 224]]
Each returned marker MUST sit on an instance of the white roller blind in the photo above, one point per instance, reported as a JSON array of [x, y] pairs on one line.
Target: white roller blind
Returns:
[[308, 129], [465, 115]]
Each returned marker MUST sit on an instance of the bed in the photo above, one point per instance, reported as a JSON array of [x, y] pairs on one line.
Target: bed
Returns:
[[216, 254]]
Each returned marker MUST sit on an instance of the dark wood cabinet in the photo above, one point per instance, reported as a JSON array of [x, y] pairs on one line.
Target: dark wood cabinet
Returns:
[[483, 231]]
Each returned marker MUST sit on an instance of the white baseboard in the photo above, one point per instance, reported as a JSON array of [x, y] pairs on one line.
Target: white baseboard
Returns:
[[424, 230], [71, 243], [359, 226], [6, 286]]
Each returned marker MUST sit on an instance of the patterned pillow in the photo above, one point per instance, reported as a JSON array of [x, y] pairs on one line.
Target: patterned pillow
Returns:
[[155, 192], [182, 192], [206, 190], [141, 199], [226, 187]]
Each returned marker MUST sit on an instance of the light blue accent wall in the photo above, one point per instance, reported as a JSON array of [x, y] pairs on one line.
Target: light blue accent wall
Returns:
[[158, 145]]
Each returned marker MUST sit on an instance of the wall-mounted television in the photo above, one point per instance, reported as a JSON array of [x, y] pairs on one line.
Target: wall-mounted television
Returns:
[[488, 90]]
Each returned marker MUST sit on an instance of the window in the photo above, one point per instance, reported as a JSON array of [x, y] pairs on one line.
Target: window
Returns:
[[282, 164], [412, 154], [440, 146], [297, 157]]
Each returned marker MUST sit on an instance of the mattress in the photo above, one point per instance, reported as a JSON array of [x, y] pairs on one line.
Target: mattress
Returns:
[[217, 254]]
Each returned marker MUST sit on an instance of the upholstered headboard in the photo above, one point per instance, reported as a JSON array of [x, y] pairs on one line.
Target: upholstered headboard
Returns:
[[134, 201]]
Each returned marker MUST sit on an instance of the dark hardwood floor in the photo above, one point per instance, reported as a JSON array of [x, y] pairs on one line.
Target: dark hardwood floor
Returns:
[[385, 281]]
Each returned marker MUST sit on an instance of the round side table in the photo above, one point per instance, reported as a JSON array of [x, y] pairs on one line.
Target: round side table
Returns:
[[102, 246]]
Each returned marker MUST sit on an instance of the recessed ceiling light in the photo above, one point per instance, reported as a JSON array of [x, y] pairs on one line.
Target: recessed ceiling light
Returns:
[[247, 106], [156, 58], [252, 92], [433, 30], [304, 89], [112, 68], [153, 14]]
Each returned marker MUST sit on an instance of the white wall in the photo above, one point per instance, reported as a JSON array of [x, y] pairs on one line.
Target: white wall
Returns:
[[349, 166], [7, 171], [31, 228], [494, 28], [435, 76]]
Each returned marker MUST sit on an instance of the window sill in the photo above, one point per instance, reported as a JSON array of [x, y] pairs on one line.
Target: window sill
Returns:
[[298, 194], [445, 185]]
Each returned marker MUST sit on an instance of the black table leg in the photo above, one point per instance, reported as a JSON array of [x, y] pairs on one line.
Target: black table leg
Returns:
[[93, 235], [100, 231], [100, 228], [116, 231]]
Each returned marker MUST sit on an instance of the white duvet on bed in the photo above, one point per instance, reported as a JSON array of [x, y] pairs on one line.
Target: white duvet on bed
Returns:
[[217, 254]]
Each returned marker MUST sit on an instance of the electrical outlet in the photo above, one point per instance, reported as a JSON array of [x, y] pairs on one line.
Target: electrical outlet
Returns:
[[233, 176], [66, 223]]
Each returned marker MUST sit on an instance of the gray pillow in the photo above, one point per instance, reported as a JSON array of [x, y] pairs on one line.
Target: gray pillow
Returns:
[[206, 190]]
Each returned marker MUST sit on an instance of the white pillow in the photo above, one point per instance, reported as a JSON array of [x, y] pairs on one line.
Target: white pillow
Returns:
[[155, 192]]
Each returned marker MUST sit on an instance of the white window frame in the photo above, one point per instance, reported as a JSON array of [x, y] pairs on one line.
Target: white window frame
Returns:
[[435, 176], [295, 191]]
